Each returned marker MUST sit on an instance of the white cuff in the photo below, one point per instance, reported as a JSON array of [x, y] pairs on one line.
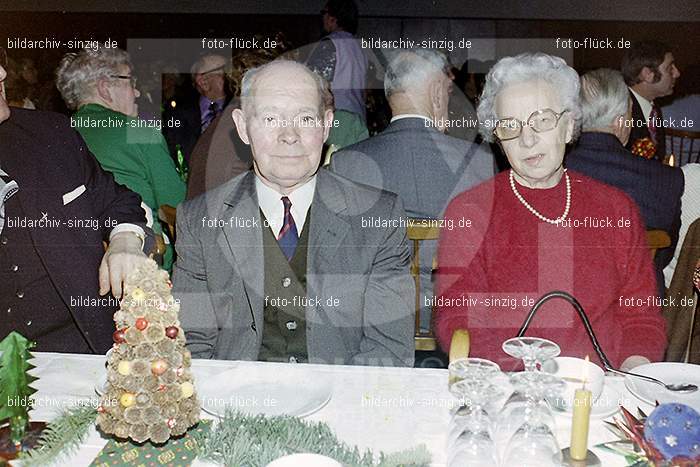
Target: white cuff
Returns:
[[126, 227]]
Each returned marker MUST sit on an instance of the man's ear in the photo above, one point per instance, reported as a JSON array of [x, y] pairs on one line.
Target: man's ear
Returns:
[[647, 75], [103, 90], [435, 90], [327, 122], [241, 127]]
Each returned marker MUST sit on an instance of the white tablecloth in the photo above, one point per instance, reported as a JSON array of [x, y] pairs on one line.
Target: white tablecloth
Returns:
[[383, 409]]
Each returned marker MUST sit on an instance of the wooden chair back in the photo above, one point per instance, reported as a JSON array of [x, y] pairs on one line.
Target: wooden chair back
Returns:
[[417, 231], [657, 239], [684, 146], [166, 213]]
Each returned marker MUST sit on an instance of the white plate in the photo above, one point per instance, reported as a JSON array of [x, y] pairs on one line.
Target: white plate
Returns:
[[669, 373], [266, 394], [606, 405]]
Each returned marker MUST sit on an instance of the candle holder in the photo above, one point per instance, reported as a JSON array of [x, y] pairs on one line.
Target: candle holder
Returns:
[[590, 460]]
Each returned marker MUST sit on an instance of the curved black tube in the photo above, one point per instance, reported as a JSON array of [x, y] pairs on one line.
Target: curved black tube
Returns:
[[582, 314]]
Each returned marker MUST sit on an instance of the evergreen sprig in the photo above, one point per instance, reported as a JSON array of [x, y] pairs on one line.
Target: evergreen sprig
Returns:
[[14, 383], [247, 440], [62, 437]]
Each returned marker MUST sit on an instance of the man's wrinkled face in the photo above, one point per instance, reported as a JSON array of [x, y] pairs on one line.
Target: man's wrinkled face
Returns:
[[210, 82], [123, 94], [4, 109], [284, 127]]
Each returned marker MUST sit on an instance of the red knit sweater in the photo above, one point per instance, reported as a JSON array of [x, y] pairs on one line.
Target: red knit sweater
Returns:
[[492, 270]]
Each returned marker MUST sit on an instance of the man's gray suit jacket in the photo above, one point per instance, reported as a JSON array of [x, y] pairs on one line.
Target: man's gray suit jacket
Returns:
[[360, 292], [425, 168]]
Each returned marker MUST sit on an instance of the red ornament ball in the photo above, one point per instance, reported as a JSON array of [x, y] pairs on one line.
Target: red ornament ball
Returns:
[[172, 331], [141, 324], [119, 336]]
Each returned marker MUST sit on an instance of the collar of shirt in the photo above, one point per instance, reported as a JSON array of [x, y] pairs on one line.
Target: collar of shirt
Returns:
[[429, 121], [644, 104], [204, 104], [270, 202]]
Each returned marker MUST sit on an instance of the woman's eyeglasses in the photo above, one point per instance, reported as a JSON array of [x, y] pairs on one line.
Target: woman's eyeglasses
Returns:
[[540, 121]]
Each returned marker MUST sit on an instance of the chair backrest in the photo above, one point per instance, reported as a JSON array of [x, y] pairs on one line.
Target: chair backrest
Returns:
[[166, 213], [657, 239], [684, 146], [417, 231]]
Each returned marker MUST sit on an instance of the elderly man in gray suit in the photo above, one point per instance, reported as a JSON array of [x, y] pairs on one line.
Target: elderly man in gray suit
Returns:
[[276, 264], [413, 157]]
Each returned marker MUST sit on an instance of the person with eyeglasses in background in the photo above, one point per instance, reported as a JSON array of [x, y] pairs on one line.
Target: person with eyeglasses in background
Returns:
[[213, 95], [539, 227], [101, 87], [54, 271]]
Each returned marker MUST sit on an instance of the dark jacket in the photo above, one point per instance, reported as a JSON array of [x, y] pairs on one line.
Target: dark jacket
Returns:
[[656, 188], [48, 159], [641, 130]]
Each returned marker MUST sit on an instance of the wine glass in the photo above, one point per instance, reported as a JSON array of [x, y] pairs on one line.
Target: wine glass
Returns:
[[470, 441], [533, 444], [531, 350]]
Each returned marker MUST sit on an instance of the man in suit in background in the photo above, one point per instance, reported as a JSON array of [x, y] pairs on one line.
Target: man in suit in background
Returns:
[[600, 154], [209, 79], [57, 206], [650, 72], [413, 157], [282, 263]]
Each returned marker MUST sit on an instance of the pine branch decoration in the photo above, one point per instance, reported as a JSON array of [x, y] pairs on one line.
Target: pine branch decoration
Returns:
[[62, 437], [246, 440], [14, 383]]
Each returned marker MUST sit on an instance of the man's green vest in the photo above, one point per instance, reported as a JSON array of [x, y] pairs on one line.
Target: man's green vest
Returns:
[[284, 331]]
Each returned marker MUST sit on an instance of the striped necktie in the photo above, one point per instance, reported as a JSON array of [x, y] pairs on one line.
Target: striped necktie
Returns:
[[288, 236], [654, 115]]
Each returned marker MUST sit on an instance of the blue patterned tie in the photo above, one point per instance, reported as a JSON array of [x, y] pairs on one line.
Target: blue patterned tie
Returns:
[[288, 236]]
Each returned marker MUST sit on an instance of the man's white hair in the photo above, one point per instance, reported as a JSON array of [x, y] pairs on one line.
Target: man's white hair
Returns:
[[529, 67], [604, 97], [413, 69], [78, 73], [251, 76]]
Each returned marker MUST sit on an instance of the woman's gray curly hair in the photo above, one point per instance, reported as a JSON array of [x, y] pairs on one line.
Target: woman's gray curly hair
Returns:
[[529, 67], [78, 73]]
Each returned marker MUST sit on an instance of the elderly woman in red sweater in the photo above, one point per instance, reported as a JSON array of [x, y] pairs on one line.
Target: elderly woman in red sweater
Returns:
[[538, 227]]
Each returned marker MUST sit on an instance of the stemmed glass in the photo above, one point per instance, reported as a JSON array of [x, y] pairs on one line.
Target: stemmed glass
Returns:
[[520, 407], [534, 444], [470, 441], [531, 350]]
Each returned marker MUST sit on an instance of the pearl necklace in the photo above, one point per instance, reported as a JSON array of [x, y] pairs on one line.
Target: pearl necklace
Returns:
[[559, 219]]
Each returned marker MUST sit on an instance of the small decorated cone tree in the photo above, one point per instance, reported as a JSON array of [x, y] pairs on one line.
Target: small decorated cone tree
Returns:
[[150, 392]]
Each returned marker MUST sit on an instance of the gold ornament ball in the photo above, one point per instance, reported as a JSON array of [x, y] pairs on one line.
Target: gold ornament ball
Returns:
[[158, 367], [138, 294], [127, 399], [124, 368], [186, 389]]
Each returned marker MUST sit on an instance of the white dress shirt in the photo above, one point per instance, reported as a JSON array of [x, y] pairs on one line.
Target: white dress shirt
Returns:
[[644, 104], [270, 202], [429, 123]]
